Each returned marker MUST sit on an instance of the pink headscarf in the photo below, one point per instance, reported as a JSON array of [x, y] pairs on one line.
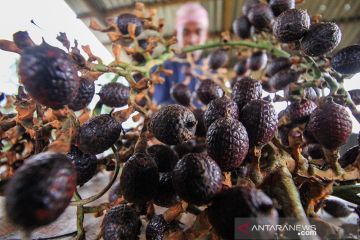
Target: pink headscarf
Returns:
[[192, 12]]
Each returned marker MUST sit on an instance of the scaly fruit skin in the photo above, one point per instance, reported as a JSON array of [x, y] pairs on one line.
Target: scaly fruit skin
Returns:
[[165, 158], [218, 108], [98, 134], [40, 190], [166, 195], [49, 75], [282, 78], [260, 120], [300, 111], [123, 21], [84, 95], [121, 222], [139, 179], [291, 25], [114, 94], [173, 124], [85, 165], [197, 178], [240, 67], [189, 147], [157, 228], [308, 93], [330, 124], [208, 90], [241, 202], [279, 6], [321, 39], [347, 60], [227, 143], [218, 58], [200, 127], [260, 16], [181, 94], [245, 90], [257, 61], [242, 27], [277, 64]]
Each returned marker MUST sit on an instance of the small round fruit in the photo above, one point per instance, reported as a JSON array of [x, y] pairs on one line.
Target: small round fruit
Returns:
[[84, 95], [245, 90], [181, 94], [157, 228], [242, 27], [208, 90], [277, 64], [200, 127], [166, 195], [248, 4], [85, 165], [98, 134], [240, 67], [218, 58], [330, 124], [347, 60], [121, 222], [165, 158], [125, 19], [321, 39], [49, 75], [173, 124], [197, 178], [300, 111], [22, 39], [114, 94], [218, 108], [260, 120], [279, 6], [281, 79], [257, 61], [40, 190], [260, 15], [227, 143], [139, 179]]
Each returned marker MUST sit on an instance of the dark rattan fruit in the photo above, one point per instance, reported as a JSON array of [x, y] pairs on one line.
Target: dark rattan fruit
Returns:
[[218, 108], [245, 90], [123, 21], [164, 156], [208, 90], [347, 60], [114, 94], [84, 95]]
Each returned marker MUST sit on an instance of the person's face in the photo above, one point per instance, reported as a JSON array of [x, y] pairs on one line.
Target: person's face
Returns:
[[192, 34]]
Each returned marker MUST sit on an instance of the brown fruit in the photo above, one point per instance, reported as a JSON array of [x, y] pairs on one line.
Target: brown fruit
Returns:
[[84, 95], [245, 90], [257, 61], [279, 6], [347, 60], [114, 94], [277, 64], [181, 94], [218, 108], [240, 67], [282, 78], [260, 15], [164, 156], [300, 111], [200, 127], [208, 90], [242, 27], [218, 58]]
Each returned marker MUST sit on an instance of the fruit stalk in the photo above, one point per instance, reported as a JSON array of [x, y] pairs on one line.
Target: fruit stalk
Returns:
[[79, 218]]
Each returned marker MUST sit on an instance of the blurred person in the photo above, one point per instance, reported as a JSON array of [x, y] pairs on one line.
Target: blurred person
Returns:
[[192, 24]]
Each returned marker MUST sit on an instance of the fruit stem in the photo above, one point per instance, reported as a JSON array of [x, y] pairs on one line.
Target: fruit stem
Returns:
[[255, 171], [332, 157], [79, 218]]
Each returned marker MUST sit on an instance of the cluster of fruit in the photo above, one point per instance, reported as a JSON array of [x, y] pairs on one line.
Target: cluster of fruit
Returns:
[[225, 156]]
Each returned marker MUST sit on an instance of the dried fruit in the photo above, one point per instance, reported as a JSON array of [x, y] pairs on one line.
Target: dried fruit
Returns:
[[208, 90], [189, 147], [200, 127], [336, 208], [218, 59], [257, 61], [279, 6], [98, 134], [84, 95], [173, 124], [300, 111], [240, 67], [242, 27], [241, 202], [218, 108], [330, 115], [227, 143], [166, 195], [114, 94], [197, 178], [291, 25], [48, 75], [260, 120], [321, 39], [347, 60], [181, 94], [85, 165], [121, 222], [139, 179], [40, 190], [157, 228], [282, 78], [260, 15], [276, 65], [125, 19], [164, 156], [245, 90]]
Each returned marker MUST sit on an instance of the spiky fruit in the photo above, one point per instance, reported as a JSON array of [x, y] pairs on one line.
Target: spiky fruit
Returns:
[[218, 58], [245, 90], [227, 143], [241, 202], [157, 228], [336, 208], [125, 19], [165, 158], [248, 4], [115, 192], [349, 157], [279, 6], [173, 124], [282, 78], [291, 25], [240, 67], [242, 27], [300, 111], [330, 116], [257, 61], [208, 90], [121, 222], [260, 15], [260, 120], [197, 178], [114, 94], [40, 190], [85, 165], [181, 94], [84, 95], [347, 60], [98, 134], [166, 195], [218, 108], [321, 39], [277, 64], [49, 75], [139, 179], [200, 127]]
